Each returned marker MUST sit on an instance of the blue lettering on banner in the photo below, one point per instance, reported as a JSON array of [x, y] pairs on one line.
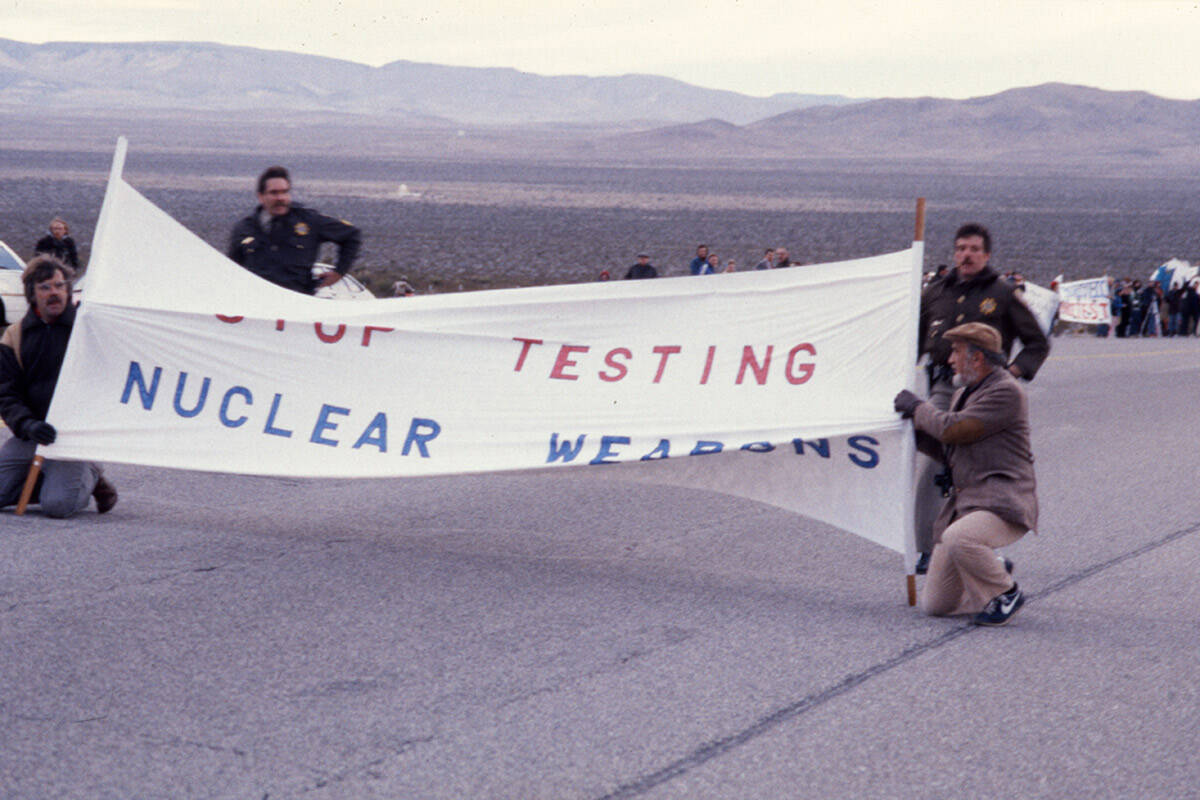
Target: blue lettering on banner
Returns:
[[820, 445], [869, 458], [237, 408], [420, 433], [223, 414], [863, 449], [663, 450], [564, 450], [270, 426], [375, 434], [147, 393], [606, 452], [324, 424], [196, 409]]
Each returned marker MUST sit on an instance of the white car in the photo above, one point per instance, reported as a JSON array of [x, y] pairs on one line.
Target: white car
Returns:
[[12, 291], [348, 288]]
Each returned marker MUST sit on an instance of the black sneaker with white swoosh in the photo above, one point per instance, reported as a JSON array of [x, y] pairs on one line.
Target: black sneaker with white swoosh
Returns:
[[1001, 608]]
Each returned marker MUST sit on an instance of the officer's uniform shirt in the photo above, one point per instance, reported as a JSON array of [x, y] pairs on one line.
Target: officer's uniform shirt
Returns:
[[284, 249]]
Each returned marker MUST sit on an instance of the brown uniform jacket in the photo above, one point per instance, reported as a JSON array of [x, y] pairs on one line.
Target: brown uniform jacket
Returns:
[[986, 297], [985, 440]]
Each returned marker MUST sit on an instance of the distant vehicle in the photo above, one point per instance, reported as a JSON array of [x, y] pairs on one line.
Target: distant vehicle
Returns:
[[348, 288], [12, 291]]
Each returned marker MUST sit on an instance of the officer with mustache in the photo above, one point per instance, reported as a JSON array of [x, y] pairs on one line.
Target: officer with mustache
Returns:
[[971, 292], [280, 240]]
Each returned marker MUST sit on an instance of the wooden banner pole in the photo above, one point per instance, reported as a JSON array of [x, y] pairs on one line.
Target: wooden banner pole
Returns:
[[35, 469], [910, 579]]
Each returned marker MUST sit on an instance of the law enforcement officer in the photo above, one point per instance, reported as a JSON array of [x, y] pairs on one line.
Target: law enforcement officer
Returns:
[[281, 239], [971, 292]]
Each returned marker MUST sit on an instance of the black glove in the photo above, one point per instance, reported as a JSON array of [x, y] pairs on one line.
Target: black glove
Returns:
[[906, 403], [40, 432]]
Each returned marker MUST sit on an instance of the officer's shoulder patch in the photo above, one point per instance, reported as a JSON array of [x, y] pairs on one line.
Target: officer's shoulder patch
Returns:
[[301, 229]]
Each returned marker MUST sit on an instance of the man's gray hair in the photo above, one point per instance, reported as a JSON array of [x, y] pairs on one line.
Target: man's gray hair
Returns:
[[995, 359]]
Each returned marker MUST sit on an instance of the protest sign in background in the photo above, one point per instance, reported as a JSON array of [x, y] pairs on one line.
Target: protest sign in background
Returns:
[[1084, 301]]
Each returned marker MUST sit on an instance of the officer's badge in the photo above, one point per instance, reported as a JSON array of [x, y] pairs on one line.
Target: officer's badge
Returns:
[[987, 305], [301, 229]]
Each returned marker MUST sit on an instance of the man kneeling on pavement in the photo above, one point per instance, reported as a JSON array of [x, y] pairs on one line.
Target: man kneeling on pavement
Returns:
[[984, 439], [31, 355]]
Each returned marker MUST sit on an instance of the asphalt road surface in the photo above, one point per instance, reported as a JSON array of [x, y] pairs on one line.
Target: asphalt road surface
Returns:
[[561, 637]]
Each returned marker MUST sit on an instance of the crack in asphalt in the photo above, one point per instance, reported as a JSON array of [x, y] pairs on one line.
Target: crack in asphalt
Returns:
[[372, 768], [718, 747], [178, 741]]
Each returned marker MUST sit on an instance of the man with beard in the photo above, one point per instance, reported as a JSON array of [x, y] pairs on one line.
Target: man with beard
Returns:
[[971, 292], [699, 264], [984, 440], [31, 356], [280, 241]]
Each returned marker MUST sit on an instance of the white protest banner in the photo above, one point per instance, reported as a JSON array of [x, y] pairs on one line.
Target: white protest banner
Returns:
[[1084, 301], [775, 385], [1042, 302]]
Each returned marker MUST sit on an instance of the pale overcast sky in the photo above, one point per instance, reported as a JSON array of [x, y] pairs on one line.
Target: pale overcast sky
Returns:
[[897, 48]]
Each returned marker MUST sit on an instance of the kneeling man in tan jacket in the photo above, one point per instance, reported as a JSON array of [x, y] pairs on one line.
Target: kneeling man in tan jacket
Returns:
[[984, 439]]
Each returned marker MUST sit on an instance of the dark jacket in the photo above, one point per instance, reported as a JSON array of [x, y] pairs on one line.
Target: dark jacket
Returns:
[[63, 249], [985, 440], [639, 271], [285, 251], [26, 386], [950, 302]]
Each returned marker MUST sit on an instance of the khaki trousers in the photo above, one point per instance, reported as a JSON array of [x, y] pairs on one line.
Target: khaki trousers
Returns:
[[964, 571]]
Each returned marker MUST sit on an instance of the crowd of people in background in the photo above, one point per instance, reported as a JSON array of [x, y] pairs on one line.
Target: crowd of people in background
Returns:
[[1147, 310], [705, 263]]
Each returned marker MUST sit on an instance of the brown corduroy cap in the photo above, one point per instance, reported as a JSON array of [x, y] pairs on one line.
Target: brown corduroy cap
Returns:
[[980, 334]]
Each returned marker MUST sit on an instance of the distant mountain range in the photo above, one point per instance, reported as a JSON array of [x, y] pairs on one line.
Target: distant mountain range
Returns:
[[219, 91], [212, 77], [1054, 120]]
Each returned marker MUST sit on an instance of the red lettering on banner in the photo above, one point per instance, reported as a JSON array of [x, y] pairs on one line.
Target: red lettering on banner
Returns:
[[571, 362], [366, 340], [751, 361], [524, 351], [564, 360], [319, 327], [712, 351], [666, 351], [801, 372], [622, 370]]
